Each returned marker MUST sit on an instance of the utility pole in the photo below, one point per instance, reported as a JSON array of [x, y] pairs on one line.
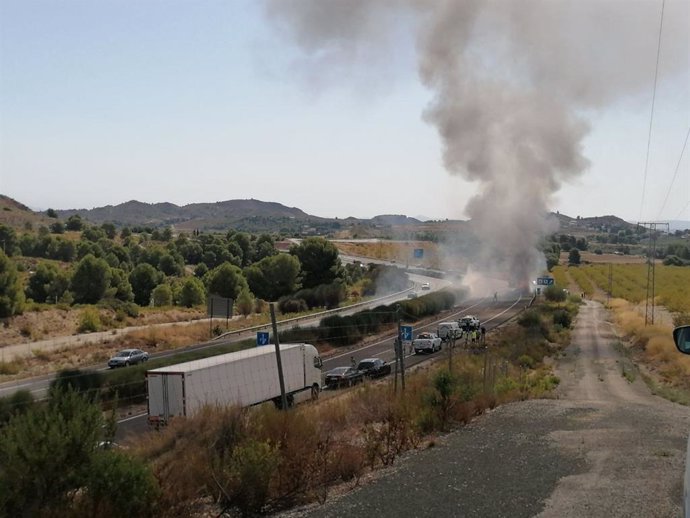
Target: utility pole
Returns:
[[283, 397], [651, 270], [608, 295], [451, 346], [401, 348]]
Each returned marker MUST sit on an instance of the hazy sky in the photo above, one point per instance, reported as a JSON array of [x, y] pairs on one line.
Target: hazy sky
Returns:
[[105, 101]]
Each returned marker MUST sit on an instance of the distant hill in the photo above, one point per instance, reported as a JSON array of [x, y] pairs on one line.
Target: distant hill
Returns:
[[250, 215], [261, 216], [593, 224], [19, 216]]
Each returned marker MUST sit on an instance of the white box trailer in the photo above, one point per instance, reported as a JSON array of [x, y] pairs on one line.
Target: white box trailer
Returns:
[[241, 378]]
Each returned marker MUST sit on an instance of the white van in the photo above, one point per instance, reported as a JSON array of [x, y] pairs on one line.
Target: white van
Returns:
[[449, 330]]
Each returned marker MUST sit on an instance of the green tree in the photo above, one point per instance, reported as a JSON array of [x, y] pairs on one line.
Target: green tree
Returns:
[[40, 282], [90, 280], [125, 232], [200, 270], [51, 452], [8, 240], [319, 260], [51, 213], [144, 278], [11, 290], [245, 303], [244, 242], [169, 266], [110, 230], [44, 453], [120, 288], [162, 295], [274, 276], [574, 257], [57, 228], [74, 223], [226, 280], [192, 293]]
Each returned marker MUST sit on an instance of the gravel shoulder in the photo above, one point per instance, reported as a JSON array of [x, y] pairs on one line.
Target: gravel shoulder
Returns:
[[605, 447]]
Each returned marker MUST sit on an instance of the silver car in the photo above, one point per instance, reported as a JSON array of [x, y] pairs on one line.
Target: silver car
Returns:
[[128, 357]]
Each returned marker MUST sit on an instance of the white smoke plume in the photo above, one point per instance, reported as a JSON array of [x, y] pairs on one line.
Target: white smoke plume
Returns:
[[512, 82]]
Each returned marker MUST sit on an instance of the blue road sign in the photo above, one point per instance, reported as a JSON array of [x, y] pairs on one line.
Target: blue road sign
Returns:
[[545, 281], [418, 253], [261, 338], [406, 332]]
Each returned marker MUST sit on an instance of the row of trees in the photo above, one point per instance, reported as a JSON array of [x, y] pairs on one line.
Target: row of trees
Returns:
[[159, 274]]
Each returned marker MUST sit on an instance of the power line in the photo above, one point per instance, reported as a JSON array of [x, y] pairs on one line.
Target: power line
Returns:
[[675, 173], [651, 115]]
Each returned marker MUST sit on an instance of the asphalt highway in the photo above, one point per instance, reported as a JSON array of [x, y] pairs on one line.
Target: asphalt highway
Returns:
[[491, 314]]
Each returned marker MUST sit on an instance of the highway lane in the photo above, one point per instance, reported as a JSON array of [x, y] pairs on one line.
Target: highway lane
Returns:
[[38, 386], [491, 313]]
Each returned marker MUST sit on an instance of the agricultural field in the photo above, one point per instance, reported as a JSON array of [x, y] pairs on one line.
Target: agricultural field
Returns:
[[399, 251], [629, 282]]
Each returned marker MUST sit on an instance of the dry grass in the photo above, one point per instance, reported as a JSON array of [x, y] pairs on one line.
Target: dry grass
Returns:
[[399, 251], [260, 459], [652, 345]]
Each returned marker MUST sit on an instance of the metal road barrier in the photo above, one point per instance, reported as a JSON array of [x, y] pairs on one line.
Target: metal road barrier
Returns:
[[313, 315], [686, 483]]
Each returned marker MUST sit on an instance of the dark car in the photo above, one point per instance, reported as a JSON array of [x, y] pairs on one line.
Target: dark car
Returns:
[[374, 367], [343, 377], [128, 357]]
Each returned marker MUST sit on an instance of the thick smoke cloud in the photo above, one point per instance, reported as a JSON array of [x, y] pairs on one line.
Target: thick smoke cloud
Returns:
[[511, 83]]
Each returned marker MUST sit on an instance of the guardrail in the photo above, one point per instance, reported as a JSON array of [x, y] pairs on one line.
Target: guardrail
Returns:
[[686, 483], [310, 316]]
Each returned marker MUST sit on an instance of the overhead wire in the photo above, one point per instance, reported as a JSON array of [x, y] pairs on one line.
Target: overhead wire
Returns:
[[680, 159], [651, 115]]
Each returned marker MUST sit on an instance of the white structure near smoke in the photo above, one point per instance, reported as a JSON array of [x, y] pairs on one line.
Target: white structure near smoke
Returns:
[[512, 82]]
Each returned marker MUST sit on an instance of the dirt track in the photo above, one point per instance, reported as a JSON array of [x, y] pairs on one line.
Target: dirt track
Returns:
[[605, 448]]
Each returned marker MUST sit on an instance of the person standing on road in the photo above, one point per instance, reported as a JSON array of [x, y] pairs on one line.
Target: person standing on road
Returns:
[[483, 330], [353, 362]]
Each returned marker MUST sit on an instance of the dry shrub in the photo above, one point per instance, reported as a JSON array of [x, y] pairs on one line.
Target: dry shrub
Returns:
[[183, 455], [395, 433]]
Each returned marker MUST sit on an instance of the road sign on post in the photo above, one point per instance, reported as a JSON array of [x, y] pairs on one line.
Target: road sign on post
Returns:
[[545, 281], [406, 332], [262, 338], [418, 253]]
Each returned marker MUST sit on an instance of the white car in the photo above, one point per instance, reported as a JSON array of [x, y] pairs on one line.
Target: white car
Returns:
[[426, 343], [426, 286], [469, 322]]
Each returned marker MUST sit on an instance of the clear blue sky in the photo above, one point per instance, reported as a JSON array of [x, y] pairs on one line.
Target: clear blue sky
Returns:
[[104, 101]]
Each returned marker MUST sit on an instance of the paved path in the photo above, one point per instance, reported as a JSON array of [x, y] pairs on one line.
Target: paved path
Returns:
[[605, 448]]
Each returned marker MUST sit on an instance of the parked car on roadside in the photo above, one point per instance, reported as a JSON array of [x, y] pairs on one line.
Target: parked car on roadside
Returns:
[[426, 286], [128, 357], [373, 367], [343, 377], [426, 343], [469, 323], [412, 295]]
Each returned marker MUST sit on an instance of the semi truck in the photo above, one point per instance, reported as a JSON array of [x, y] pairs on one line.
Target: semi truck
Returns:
[[242, 378]]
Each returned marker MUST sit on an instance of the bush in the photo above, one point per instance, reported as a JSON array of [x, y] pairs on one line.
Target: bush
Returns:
[[118, 486], [85, 382], [16, 404], [529, 319], [562, 317], [89, 321], [555, 293], [526, 361], [291, 305]]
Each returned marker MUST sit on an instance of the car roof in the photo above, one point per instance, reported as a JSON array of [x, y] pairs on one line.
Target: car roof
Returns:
[[370, 360], [127, 351]]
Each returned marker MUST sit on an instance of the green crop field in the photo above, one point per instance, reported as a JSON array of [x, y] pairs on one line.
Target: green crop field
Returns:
[[629, 282]]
